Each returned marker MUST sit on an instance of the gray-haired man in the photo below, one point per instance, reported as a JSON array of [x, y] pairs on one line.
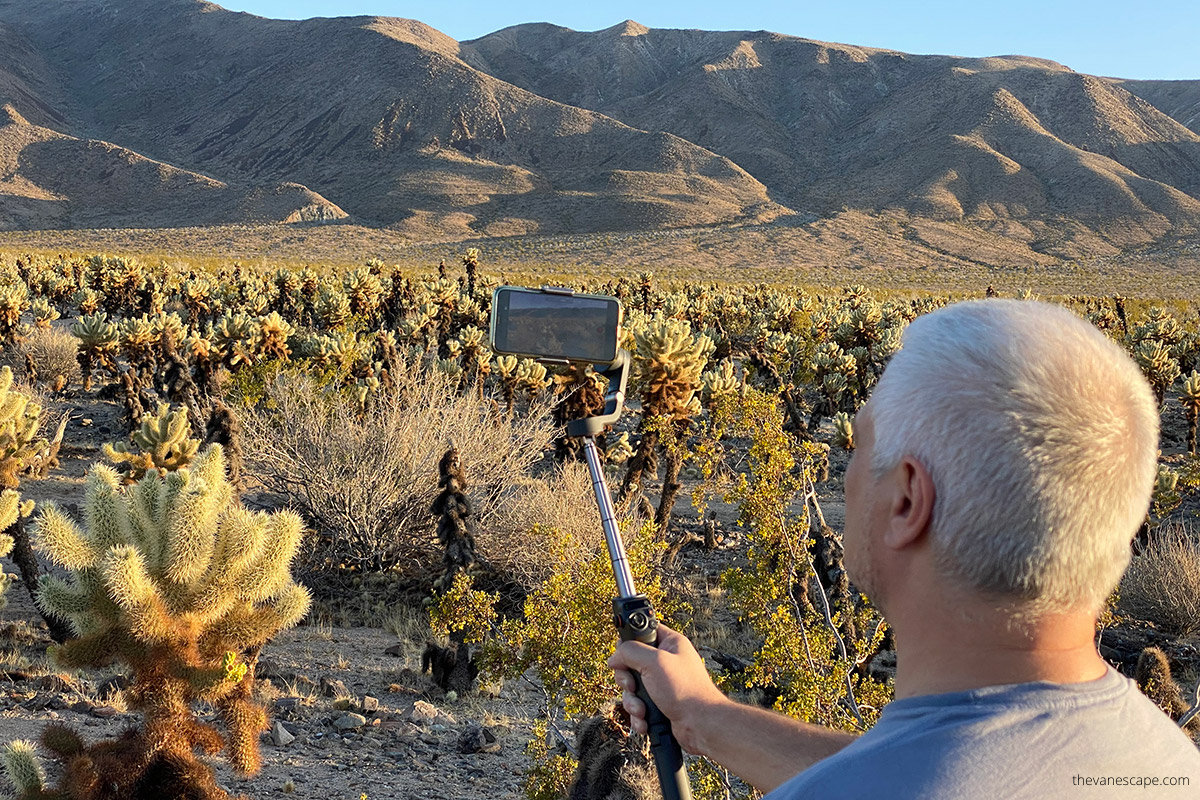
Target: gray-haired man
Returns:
[[1004, 463]]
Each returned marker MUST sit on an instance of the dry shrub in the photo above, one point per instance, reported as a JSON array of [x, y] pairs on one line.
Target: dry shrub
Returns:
[[559, 505], [365, 482], [1162, 584], [53, 352]]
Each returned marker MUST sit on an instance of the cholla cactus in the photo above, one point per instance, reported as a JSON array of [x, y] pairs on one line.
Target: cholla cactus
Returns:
[[14, 301], [332, 308], [363, 290], [470, 261], [505, 367], [201, 352], [23, 768], [1165, 497], [532, 377], [175, 579], [20, 451], [43, 312], [476, 353], [138, 341], [270, 340], [11, 509], [619, 450], [835, 371], [455, 528], [119, 279], [1191, 407], [231, 338], [843, 430], [668, 362], [718, 383], [87, 301], [1159, 367], [580, 393], [645, 292], [1160, 326], [163, 443], [197, 297], [169, 331], [98, 340]]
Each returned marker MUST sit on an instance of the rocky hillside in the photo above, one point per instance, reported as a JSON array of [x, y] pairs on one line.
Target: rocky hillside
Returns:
[[218, 116], [1022, 146], [1180, 99], [379, 115]]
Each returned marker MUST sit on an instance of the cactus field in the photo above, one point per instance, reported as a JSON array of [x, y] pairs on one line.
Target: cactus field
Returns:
[[296, 531]]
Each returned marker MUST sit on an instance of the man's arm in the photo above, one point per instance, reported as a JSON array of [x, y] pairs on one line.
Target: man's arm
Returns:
[[761, 747]]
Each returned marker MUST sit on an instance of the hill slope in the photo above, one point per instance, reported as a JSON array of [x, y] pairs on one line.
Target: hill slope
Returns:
[[379, 115], [223, 117], [50, 181], [1179, 99], [1011, 143]]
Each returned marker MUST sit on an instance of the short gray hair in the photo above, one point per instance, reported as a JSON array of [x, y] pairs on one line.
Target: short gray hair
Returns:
[[1041, 436]]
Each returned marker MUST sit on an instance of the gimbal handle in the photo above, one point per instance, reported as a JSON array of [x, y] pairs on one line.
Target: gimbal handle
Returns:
[[632, 613]]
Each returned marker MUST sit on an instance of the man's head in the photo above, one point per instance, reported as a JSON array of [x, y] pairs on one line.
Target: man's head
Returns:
[[1037, 439]]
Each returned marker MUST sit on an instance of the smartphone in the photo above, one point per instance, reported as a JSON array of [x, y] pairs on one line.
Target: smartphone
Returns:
[[552, 324]]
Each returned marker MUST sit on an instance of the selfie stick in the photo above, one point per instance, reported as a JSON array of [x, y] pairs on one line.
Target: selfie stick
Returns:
[[632, 612]]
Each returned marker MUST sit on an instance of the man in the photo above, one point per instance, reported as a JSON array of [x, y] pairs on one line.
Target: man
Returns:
[[1004, 463]]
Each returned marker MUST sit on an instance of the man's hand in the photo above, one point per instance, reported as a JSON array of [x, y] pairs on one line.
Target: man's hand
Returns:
[[762, 747], [677, 680]]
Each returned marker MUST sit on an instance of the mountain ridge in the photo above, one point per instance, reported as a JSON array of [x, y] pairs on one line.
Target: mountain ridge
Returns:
[[538, 129]]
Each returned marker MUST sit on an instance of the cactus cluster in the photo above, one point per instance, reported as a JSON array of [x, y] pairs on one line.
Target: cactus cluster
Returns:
[[21, 452], [175, 579], [455, 528], [163, 443], [11, 509]]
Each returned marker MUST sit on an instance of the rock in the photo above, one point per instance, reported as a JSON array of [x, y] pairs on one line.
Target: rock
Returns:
[[369, 705], [280, 735], [107, 689], [423, 712], [105, 712], [286, 703], [268, 670], [53, 683], [333, 688], [348, 722], [478, 739]]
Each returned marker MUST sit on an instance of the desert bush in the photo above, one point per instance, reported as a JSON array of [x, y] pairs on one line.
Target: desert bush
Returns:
[[364, 478], [810, 648], [1162, 584], [52, 351], [558, 506], [564, 636]]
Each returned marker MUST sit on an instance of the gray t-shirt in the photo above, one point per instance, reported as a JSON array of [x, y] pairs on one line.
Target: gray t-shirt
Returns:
[[1100, 739]]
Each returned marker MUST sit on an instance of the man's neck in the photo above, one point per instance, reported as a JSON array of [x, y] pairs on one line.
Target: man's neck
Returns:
[[973, 646]]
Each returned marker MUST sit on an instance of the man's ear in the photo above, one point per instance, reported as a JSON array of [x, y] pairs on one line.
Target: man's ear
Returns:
[[912, 504]]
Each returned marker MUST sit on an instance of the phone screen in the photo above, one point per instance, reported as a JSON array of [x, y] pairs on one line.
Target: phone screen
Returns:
[[540, 324]]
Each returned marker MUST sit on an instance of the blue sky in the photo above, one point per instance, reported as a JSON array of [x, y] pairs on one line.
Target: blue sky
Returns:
[[1156, 39]]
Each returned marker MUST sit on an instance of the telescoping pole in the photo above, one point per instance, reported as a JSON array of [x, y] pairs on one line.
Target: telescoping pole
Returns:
[[635, 620]]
